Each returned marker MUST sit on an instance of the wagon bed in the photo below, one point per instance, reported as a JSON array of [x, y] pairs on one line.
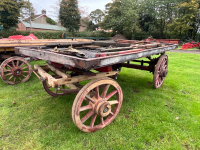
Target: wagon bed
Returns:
[[98, 102], [95, 59]]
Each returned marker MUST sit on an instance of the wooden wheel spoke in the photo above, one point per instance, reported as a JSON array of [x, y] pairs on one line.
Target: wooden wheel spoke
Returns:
[[90, 99], [15, 79], [111, 113], [111, 94], [9, 66], [97, 92], [87, 116], [8, 74], [11, 77], [24, 71], [20, 79], [23, 75], [5, 71], [113, 102], [93, 120], [105, 90], [102, 121], [17, 64], [85, 108], [13, 64], [56, 91], [25, 67], [22, 64]]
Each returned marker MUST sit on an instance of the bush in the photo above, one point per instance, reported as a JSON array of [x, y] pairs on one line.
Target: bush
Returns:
[[93, 34], [38, 34]]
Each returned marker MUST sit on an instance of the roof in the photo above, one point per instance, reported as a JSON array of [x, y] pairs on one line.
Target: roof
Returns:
[[33, 17], [43, 26]]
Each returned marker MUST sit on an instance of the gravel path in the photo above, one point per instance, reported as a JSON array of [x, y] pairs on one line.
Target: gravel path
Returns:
[[187, 51]]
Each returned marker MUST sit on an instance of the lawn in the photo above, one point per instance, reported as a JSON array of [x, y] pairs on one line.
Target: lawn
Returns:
[[166, 118]]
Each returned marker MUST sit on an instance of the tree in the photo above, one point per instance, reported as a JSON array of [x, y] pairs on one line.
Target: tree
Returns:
[[97, 16], [187, 18], [69, 15], [27, 10], [10, 12], [90, 25], [122, 16]]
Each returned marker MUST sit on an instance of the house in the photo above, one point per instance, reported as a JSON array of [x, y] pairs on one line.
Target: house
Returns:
[[38, 23]]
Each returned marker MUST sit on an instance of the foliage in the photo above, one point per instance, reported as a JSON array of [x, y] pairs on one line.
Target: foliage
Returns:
[[97, 16], [93, 34], [122, 16], [50, 21], [27, 10], [90, 25], [69, 15], [38, 34], [146, 22], [187, 19], [10, 12], [168, 19]]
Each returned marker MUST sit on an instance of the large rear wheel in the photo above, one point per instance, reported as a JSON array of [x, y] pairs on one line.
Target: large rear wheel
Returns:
[[97, 104]]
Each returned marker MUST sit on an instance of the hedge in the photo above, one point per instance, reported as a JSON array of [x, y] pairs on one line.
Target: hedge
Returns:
[[53, 34], [38, 34]]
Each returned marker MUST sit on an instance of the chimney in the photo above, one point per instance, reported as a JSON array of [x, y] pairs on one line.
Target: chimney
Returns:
[[44, 11]]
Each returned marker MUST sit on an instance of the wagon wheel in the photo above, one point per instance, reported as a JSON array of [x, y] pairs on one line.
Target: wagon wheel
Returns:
[[160, 72], [15, 70], [53, 91], [102, 108]]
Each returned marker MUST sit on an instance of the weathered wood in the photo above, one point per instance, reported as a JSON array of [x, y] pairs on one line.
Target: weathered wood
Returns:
[[7, 49], [147, 46], [62, 81], [12, 41], [85, 77], [58, 72], [51, 80], [110, 43], [114, 49]]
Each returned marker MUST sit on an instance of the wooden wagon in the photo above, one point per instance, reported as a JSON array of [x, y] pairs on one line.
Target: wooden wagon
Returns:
[[98, 102]]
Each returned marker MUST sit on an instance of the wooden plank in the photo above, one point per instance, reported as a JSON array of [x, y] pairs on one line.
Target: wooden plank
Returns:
[[7, 49], [58, 72], [63, 81], [44, 41], [110, 43], [114, 49]]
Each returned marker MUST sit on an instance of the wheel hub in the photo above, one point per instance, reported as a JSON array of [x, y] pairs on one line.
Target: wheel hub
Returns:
[[163, 73], [103, 108], [17, 72]]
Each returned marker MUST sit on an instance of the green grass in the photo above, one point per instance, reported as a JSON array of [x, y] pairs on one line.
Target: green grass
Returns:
[[38, 121]]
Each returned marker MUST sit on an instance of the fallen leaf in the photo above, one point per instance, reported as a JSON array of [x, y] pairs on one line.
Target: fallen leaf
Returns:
[[177, 118], [135, 125], [130, 110], [127, 117]]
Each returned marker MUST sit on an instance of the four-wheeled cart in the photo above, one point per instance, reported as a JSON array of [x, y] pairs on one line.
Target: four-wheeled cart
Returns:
[[98, 102]]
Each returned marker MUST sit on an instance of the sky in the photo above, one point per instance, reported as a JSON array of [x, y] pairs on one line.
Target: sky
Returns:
[[90, 4]]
